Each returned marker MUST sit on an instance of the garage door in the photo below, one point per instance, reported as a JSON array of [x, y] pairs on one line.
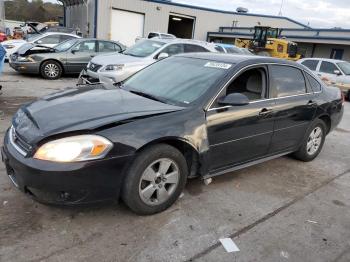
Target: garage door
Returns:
[[126, 26]]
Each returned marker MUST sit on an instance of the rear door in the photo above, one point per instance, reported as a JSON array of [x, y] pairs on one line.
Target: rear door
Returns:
[[80, 55], [295, 107]]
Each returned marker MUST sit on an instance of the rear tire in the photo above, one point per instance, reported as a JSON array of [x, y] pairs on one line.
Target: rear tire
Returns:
[[313, 142], [155, 180], [51, 70]]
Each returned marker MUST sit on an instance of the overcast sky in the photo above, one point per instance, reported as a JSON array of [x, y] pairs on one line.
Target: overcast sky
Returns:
[[319, 13]]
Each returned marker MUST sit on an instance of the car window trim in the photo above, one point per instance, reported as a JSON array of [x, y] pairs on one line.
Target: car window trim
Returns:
[[208, 107]]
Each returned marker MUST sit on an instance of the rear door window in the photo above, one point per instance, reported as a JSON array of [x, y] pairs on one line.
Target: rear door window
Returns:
[[173, 49], [65, 37], [194, 48], [286, 81], [311, 64], [328, 67]]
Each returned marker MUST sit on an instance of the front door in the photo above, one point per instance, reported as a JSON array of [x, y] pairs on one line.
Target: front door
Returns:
[[295, 107], [80, 55], [238, 134]]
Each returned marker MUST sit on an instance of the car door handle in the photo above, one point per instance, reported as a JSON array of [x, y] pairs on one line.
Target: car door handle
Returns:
[[265, 111], [92, 56], [311, 103]]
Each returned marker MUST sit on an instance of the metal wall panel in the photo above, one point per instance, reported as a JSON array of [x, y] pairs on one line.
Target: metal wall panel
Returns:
[[157, 17]]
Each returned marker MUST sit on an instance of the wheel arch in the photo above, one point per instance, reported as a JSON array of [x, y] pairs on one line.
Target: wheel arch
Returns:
[[189, 151], [327, 120]]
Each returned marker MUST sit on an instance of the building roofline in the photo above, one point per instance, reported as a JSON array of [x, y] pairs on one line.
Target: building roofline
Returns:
[[292, 29], [224, 11], [287, 36]]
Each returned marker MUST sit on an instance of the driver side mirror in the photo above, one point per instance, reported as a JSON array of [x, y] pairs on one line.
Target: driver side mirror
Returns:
[[74, 51], [163, 56], [234, 99], [337, 72]]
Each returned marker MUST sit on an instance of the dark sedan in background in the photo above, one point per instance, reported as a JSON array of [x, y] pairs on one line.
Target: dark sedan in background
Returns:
[[193, 115], [70, 57]]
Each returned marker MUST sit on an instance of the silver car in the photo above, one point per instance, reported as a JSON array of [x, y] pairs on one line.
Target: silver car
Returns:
[[118, 67], [332, 71]]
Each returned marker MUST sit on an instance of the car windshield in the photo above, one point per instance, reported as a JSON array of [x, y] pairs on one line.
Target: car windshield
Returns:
[[66, 45], [177, 80], [143, 48], [345, 67]]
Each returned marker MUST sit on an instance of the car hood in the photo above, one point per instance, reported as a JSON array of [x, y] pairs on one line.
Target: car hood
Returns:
[[29, 49], [82, 109], [117, 59]]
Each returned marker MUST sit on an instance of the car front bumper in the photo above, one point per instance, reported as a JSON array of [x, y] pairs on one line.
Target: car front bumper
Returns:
[[30, 68], [65, 183]]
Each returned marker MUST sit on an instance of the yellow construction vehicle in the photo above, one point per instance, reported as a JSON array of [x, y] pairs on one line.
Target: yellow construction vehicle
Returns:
[[267, 42]]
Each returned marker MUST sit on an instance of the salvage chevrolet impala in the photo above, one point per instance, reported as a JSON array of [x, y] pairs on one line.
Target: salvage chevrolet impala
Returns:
[[193, 115]]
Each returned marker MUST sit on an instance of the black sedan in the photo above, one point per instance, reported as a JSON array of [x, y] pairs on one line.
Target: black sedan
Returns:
[[194, 115], [69, 57]]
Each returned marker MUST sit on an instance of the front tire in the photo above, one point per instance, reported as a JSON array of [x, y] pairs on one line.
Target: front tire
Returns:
[[155, 180], [51, 70], [313, 142]]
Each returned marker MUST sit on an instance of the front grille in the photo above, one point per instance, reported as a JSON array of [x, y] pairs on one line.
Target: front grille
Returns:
[[292, 49], [18, 142], [94, 67]]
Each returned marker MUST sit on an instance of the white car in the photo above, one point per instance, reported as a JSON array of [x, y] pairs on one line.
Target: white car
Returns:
[[331, 71], [48, 40], [117, 67]]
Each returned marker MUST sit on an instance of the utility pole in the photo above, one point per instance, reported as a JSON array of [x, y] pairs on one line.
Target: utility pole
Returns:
[[280, 12]]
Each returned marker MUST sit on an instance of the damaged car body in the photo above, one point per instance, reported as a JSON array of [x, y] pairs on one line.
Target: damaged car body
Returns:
[[69, 57], [183, 117]]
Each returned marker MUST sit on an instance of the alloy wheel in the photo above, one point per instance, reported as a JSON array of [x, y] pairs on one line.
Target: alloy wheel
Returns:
[[159, 181], [51, 70], [314, 141]]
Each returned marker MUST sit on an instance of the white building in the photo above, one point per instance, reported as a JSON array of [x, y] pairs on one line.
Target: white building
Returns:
[[125, 20]]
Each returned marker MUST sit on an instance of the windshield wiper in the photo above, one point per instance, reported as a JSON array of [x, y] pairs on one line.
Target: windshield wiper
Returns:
[[147, 95]]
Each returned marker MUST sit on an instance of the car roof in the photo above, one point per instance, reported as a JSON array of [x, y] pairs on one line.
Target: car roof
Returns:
[[323, 59], [236, 59], [224, 45], [179, 40], [59, 33]]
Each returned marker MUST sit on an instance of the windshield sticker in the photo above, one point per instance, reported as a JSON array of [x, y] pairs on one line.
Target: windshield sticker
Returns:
[[218, 65]]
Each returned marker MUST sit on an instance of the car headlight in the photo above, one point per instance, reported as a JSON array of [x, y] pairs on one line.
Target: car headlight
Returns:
[[113, 67], [74, 149], [25, 59]]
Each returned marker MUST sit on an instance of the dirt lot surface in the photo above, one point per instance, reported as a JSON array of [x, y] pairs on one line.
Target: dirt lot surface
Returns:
[[281, 210]]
